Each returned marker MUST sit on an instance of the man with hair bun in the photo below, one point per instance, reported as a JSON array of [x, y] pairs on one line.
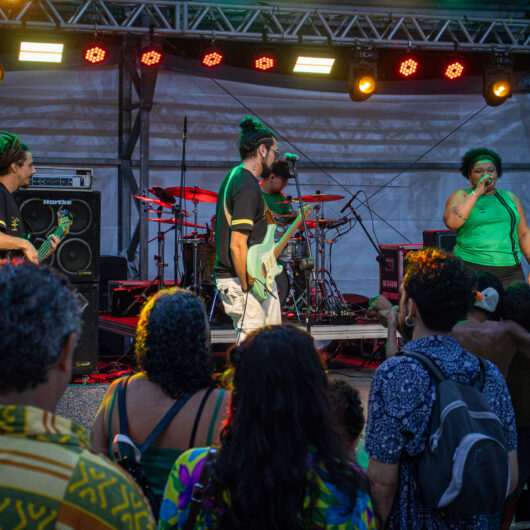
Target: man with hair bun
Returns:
[[16, 170], [241, 223]]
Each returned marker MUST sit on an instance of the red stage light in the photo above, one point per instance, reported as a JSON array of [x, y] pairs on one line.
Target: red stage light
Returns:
[[95, 54], [264, 63], [408, 67], [212, 59], [454, 70], [150, 56]]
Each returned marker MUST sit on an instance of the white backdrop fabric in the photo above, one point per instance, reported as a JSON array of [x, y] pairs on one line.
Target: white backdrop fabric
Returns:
[[74, 114]]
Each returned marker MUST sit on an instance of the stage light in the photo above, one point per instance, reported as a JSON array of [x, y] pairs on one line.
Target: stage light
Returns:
[[1, 72], [362, 74], [212, 58], [95, 53], [264, 62], [41, 52], [151, 55], [408, 67], [497, 78], [454, 70], [313, 65]]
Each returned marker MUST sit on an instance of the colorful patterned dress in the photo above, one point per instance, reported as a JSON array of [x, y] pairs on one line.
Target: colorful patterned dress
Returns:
[[330, 505]]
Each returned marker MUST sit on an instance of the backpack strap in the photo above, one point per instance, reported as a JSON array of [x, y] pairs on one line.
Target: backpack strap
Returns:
[[164, 422], [429, 365], [198, 416], [481, 378], [161, 425]]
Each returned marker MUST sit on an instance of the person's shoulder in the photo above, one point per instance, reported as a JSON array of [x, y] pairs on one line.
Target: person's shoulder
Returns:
[[119, 494]]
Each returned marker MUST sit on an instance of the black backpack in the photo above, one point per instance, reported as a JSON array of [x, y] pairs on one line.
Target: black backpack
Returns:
[[465, 466]]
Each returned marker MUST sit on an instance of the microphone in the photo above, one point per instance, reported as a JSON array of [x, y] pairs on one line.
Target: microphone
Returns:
[[341, 222], [489, 181], [291, 156], [347, 205], [185, 131]]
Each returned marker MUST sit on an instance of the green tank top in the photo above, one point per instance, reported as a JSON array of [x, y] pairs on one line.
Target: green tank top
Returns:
[[489, 236]]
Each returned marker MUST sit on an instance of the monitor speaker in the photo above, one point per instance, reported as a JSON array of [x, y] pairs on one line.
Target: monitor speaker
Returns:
[[444, 239], [86, 351], [77, 255]]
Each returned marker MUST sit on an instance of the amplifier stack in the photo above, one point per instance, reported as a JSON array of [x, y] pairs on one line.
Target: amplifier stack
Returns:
[[77, 255]]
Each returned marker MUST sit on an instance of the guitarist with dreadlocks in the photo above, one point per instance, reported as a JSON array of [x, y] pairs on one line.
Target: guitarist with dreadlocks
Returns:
[[16, 170], [240, 224]]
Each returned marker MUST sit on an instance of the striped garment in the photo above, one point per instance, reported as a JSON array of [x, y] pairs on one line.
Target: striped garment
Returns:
[[50, 478]]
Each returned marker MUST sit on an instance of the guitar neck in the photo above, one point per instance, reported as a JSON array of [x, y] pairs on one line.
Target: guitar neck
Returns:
[[47, 245], [285, 239]]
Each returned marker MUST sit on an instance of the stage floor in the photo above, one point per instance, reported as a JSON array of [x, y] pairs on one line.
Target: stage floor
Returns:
[[126, 326]]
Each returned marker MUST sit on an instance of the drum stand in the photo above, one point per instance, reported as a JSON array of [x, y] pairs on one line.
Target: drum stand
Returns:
[[327, 295], [196, 285]]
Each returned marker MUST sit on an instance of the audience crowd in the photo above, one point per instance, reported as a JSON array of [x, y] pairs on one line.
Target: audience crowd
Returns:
[[169, 447]]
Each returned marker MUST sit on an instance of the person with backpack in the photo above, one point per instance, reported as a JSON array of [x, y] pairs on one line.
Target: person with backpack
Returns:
[[146, 421], [441, 431]]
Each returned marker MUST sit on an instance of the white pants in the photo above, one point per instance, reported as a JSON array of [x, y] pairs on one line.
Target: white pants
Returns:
[[246, 312]]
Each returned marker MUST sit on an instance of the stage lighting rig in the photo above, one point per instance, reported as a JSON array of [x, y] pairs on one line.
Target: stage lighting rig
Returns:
[[497, 79], [362, 75]]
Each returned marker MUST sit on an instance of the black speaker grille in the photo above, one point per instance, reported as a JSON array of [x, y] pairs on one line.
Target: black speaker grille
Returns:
[[82, 216], [74, 256], [39, 217]]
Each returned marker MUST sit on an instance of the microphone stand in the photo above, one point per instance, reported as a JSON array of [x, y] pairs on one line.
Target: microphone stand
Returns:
[[360, 221], [307, 265], [177, 209]]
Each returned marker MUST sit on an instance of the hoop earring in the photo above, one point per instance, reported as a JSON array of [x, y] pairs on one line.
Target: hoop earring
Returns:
[[410, 324]]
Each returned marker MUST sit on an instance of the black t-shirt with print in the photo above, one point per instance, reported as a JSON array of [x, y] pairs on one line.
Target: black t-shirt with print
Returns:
[[10, 220], [241, 201]]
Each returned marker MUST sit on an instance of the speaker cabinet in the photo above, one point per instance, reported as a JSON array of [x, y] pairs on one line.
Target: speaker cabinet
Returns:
[[77, 256], [86, 351], [444, 239]]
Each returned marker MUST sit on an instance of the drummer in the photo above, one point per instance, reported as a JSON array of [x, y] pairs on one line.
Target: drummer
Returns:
[[272, 189]]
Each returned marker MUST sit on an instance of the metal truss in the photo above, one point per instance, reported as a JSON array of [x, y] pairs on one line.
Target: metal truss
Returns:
[[276, 23]]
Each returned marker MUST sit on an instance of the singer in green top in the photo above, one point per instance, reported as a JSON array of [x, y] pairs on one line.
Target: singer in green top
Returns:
[[491, 228]]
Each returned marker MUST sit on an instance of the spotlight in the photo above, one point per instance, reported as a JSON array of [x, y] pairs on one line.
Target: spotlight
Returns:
[[95, 53], [1, 72], [151, 55], [408, 67], [212, 58], [362, 76], [454, 70], [497, 79], [264, 62]]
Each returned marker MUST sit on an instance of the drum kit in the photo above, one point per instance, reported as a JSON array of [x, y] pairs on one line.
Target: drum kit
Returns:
[[198, 251]]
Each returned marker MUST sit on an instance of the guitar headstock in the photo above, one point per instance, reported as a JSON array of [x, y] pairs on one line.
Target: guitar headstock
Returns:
[[64, 219]]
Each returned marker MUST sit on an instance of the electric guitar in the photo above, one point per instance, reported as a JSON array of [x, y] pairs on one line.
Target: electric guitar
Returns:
[[64, 222], [262, 267]]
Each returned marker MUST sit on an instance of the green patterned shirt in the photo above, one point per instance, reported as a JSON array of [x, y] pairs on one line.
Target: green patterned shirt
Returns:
[[50, 478]]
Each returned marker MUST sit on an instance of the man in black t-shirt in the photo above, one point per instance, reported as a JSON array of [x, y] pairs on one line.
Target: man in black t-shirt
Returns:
[[16, 170], [241, 223]]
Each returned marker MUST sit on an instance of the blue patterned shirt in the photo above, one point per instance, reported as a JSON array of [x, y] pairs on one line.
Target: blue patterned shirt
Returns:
[[402, 395]]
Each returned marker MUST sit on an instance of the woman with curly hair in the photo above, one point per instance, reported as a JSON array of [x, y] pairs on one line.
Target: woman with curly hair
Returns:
[[438, 291], [281, 463], [491, 226], [174, 358]]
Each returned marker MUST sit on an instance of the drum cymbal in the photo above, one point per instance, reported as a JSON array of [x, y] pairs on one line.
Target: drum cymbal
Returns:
[[153, 201], [172, 222], [322, 223], [322, 197], [161, 194], [193, 194]]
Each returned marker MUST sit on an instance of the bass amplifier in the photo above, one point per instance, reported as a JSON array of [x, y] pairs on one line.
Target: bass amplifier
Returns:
[[77, 255], [391, 268]]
